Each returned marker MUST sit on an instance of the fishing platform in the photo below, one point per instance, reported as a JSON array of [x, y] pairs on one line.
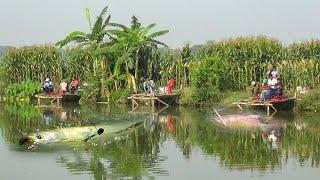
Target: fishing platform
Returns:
[[51, 98], [275, 105], [153, 100], [57, 98]]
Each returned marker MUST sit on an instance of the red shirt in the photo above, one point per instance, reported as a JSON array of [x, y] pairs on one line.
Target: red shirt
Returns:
[[74, 83]]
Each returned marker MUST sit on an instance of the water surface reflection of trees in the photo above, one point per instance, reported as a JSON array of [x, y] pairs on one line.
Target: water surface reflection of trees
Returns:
[[136, 153]]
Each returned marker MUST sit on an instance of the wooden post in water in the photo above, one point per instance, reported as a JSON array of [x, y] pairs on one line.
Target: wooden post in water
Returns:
[[268, 110]]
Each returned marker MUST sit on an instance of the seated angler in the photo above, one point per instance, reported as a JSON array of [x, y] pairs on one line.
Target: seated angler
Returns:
[[74, 85], [272, 82], [264, 90], [46, 86]]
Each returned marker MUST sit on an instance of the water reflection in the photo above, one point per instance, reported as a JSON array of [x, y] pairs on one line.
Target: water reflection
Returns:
[[138, 151]]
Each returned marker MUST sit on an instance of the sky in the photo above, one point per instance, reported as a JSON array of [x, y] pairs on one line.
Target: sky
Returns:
[[28, 22]]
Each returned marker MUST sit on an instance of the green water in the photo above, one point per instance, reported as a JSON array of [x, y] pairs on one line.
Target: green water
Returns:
[[180, 143]]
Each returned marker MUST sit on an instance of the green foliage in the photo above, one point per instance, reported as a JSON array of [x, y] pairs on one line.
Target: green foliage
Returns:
[[120, 95], [229, 97], [97, 34], [23, 90], [90, 90], [309, 101], [79, 64], [24, 111], [3, 49], [34, 63], [209, 76], [142, 42], [187, 96]]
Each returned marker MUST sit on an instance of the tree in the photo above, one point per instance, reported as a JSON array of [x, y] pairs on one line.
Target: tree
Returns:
[[138, 38], [93, 41], [97, 34]]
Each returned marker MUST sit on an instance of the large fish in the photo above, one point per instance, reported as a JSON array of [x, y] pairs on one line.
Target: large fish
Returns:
[[239, 120], [245, 120], [232, 120], [76, 133]]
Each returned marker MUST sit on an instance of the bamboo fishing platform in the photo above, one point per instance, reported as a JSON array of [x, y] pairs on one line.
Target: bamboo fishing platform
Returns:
[[275, 105], [51, 98], [159, 99], [68, 97]]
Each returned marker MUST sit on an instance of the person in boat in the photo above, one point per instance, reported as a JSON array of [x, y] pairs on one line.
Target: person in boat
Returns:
[[74, 85], [170, 85], [264, 90]]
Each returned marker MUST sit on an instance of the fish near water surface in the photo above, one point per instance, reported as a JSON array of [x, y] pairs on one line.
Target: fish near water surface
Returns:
[[239, 120], [74, 134]]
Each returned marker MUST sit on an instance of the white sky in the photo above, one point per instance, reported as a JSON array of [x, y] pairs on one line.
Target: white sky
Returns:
[[26, 22]]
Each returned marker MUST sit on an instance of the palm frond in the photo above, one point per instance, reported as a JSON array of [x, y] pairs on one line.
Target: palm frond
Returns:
[[160, 43], [97, 27], [75, 36], [87, 12], [106, 22], [157, 34], [118, 25], [150, 26], [103, 12]]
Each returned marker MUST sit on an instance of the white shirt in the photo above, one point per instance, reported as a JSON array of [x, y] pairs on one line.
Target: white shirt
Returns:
[[272, 82]]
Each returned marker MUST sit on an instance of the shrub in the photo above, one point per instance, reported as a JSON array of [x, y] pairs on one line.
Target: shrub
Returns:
[[23, 90]]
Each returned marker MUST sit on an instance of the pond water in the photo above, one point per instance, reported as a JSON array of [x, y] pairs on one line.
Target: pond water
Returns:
[[180, 143]]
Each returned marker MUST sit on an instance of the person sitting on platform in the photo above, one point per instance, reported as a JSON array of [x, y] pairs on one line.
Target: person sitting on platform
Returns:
[[279, 87], [63, 88], [74, 85], [264, 90], [272, 82], [48, 87], [170, 85], [254, 88], [151, 86], [144, 85]]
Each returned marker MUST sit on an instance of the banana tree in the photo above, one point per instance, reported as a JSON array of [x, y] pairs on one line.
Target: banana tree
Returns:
[[92, 40], [138, 37]]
